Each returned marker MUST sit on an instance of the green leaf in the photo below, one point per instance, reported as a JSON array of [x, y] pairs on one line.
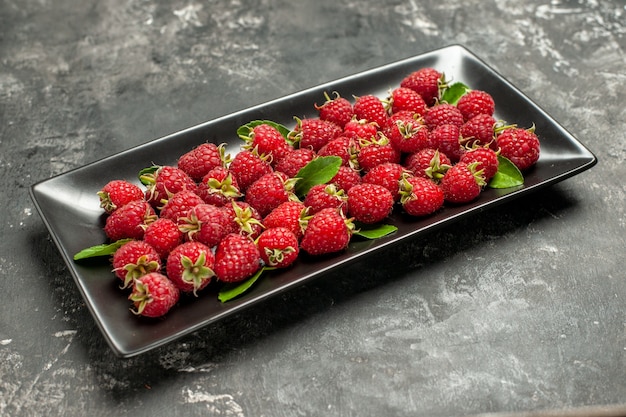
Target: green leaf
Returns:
[[375, 231], [231, 291], [507, 176], [318, 171], [146, 175], [244, 131], [100, 250], [454, 92]]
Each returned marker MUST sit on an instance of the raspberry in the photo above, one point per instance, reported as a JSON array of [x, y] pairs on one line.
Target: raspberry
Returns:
[[443, 114], [360, 129], [153, 295], [278, 247], [165, 181], [462, 183], [520, 146], [406, 133], [343, 147], [420, 196], [128, 220], [371, 109], [314, 133], [428, 163], [486, 158], [133, 260], [346, 178], [269, 191], [243, 219], [236, 258], [248, 166], [427, 82], [290, 215], [179, 204], [446, 138], [328, 231], [200, 160], [337, 110], [294, 161], [116, 193], [475, 102], [388, 175], [163, 235], [190, 266], [204, 223], [480, 128], [323, 196], [219, 187], [268, 141], [369, 203], [376, 151], [405, 99]]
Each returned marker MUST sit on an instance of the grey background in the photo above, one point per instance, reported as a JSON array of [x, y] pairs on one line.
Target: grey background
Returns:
[[519, 309]]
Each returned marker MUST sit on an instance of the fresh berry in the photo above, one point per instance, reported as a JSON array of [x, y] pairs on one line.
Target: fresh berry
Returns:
[[243, 219], [462, 183], [346, 178], [388, 175], [314, 133], [278, 247], [269, 191], [128, 220], [420, 196], [520, 146], [406, 133], [404, 99], [236, 258], [203, 158], [337, 110], [163, 235], [179, 204], [369, 203], [117, 193], [204, 223], [219, 187], [190, 266], [343, 147], [323, 196], [248, 166], [153, 295], [428, 163], [487, 160], [443, 114], [266, 140], [447, 139], [164, 181], [294, 161], [376, 151], [291, 215], [360, 129], [476, 102], [328, 231], [370, 108], [133, 260], [427, 82], [479, 130]]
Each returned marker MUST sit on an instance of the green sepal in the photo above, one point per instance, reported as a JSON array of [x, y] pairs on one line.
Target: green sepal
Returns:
[[507, 175], [105, 249]]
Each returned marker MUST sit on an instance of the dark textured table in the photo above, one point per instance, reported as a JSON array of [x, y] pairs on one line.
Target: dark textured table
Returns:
[[518, 309]]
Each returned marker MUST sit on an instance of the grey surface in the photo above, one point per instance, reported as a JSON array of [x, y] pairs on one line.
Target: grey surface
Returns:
[[519, 309]]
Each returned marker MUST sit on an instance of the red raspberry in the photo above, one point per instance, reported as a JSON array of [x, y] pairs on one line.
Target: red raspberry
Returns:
[[163, 235], [269, 191], [487, 161], [420, 196], [314, 133], [153, 295], [462, 183], [520, 146], [201, 159], [128, 220], [388, 175], [343, 147], [428, 163], [443, 114], [406, 133], [405, 99], [291, 215], [323, 196], [179, 204], [294, 161], [360, 129], [475, 102], [236, 258], [371, 109], [165, 181], [480, 128], [133, 260], [376, 151], [248, 166], [268, 141], [346, 178], [278, 247], [427, 82], [219, 187], [369, 203], [337, 110], [190, 266], [243, 219], [116, 193], [205, 223], [328, 231], [446, 138]]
